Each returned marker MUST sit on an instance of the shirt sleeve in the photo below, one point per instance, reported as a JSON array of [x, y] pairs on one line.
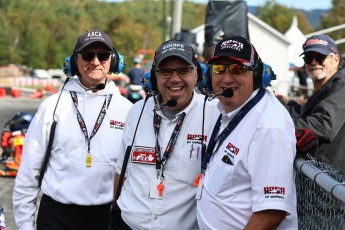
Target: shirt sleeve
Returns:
[[270, 165], [26, 188]]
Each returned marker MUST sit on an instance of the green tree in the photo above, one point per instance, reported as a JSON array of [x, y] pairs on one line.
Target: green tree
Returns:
[[280, 17], [335, 17]]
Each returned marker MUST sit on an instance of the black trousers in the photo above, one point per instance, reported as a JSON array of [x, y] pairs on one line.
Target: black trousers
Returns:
[[53, 215]]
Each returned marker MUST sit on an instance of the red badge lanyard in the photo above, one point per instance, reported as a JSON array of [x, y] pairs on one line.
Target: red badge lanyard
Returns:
[[156, 124], [98, 121]]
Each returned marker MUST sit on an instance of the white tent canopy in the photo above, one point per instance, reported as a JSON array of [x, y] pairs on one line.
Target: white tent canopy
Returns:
[[297, 38]]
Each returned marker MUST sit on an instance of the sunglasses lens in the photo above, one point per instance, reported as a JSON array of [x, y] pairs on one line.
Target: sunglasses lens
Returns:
[[88, 56], [103, 56], [237, 69], [218, 68], [308, 59]]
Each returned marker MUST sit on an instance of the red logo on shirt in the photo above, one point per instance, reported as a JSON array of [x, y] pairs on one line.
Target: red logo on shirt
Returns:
[[117, 124], [274, 190], [144, 155], [233, 149], [196, 137]]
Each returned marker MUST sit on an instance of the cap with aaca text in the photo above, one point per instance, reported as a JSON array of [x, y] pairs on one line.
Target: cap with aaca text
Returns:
[[91, 37], [236, 48], [322, 44], [174, 48]]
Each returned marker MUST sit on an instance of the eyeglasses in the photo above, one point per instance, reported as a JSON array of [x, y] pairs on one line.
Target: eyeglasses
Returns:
[[233, 68], [182, 72], [89, 56], [320, 58]]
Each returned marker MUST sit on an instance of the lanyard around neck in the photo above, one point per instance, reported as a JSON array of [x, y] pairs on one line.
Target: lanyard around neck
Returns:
[[99, 120], [229, 128], [156, 124]]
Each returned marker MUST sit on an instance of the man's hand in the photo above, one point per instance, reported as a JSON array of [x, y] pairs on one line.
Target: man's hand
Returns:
[[306, 142]]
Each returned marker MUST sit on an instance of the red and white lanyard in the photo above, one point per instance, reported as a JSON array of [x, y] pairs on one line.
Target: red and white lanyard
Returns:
[[96, 126]]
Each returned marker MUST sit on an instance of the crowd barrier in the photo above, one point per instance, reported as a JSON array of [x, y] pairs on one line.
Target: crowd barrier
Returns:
[[28, 81], [320, 195]]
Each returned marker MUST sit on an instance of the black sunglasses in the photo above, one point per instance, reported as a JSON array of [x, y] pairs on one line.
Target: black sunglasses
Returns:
[[308, 59], [89, 56]]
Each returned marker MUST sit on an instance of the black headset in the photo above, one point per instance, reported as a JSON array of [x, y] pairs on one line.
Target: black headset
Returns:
[[70, 66], [262, 76]]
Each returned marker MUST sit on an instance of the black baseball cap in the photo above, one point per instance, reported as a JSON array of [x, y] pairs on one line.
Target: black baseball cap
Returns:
[[174, 48], [236, 48], [322, 44], [90, 37]]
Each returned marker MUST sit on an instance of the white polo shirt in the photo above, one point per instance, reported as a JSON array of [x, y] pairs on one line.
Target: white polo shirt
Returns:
[[177, 208], [260, 173]]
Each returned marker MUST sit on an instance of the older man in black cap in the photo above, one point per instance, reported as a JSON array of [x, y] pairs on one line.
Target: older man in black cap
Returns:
[[88, 115], [324, 112], [248, 174]]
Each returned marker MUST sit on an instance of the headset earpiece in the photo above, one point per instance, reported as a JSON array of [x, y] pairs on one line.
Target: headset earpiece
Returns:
[[117, 63], [121, 63], [67, 66], [146, 83], [207, 80], [263, 75]]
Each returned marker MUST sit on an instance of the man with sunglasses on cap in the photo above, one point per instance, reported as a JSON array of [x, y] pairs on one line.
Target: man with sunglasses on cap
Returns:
[[88, 115], [324, 112], [166, 153], [248, 174]]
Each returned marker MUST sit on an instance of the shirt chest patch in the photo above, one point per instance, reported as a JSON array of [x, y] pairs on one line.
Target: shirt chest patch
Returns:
[[232, 149], [196, 138], [143, 155], [117, 124]]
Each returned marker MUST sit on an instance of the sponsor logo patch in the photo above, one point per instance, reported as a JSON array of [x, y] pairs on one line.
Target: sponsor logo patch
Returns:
[[196, 138], [117, 124], [233, 149], [274, 192], [143, 155]]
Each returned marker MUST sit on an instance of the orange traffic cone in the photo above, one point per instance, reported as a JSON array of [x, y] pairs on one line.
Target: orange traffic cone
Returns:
[[50, 89], [16, 92], [37, 94], [2, 92]]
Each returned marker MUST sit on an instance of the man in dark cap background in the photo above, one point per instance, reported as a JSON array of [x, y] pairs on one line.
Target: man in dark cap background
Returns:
[[324, 112], [90, 114]]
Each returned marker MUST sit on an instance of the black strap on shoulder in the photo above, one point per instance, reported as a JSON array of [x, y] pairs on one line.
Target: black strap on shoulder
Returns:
[[127, 154], [48, 152]]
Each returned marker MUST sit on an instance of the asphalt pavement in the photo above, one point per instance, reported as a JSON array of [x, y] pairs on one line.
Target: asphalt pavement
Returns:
[[8, 107]]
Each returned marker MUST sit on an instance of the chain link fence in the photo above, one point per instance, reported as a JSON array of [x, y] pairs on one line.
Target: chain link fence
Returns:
[[320, 195]]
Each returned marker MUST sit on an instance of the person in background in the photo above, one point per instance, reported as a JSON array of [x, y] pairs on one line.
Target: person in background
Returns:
[[324, 111], [90, 115], [159, 191], [135, 74], [248, 173]]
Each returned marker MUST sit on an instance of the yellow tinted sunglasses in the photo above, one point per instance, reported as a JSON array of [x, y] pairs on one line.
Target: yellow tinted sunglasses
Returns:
[[233, 68]]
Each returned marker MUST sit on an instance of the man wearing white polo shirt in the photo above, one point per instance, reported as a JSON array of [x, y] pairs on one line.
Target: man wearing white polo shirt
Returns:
[[248, 174]]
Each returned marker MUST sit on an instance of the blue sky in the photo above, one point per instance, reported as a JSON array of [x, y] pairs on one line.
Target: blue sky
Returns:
[[298, 4]]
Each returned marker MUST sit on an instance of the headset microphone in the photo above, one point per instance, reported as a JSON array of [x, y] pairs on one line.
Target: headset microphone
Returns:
[[98, 87], [170, 103], [225, 93]]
